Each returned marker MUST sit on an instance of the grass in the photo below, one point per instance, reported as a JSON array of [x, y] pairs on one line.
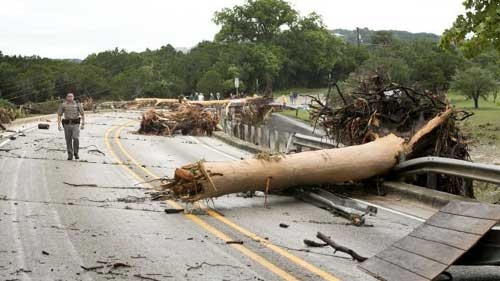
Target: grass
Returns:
[[301, 114], [301, 91], [484, 125]]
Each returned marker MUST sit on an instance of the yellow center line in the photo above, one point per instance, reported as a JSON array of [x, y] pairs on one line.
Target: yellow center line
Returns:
[[217, 233], [294, 259]]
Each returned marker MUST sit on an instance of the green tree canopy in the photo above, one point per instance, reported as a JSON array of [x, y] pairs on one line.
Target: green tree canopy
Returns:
[[254, 21], [211, 82], [474, 82], [477, 30]]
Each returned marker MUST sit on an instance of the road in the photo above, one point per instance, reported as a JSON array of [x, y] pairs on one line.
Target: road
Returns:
[[92, 219]]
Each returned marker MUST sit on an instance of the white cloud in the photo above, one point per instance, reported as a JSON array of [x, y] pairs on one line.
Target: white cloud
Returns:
[[74, 29]]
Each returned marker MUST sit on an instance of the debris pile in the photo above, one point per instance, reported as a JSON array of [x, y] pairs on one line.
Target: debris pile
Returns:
[[379, 125], [377, 108], [255, 112], [46, 107], [188, 119], [7, 115], [87, 103]]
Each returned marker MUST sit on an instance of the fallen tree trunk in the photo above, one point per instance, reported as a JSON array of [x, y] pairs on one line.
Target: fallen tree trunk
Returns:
[[160, 101], [354, 163], [211, 179]]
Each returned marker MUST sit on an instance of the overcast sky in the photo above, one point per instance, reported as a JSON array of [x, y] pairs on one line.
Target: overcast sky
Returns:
[[74, 29]]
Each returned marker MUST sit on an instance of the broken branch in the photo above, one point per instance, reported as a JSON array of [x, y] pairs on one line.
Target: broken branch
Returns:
[[340, 248]]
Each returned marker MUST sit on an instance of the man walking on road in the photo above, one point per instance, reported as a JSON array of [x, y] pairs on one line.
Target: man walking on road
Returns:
[[72, 111]]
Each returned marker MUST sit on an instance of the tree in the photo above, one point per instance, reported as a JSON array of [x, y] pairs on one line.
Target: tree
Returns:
[[382, 37], [474, 82], [211, 82], [431, 68], [311, 52], [477, 30], [254, 21]]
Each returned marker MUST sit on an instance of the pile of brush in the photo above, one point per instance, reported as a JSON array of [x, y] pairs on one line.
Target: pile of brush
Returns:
[[88, 103], [376, 108], [7, 115], [187, 119]]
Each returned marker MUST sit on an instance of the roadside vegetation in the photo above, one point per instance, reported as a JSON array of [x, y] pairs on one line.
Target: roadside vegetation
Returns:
[[265, 56], [268, 58]]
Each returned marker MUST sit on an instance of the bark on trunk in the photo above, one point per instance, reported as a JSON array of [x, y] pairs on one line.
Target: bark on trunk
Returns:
[[353, 163], [212, 179]]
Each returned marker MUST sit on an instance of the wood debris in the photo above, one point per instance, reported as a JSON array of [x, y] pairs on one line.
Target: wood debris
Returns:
[[377, 108], [366, 158], [188, 120], [7, 115], [87, 103], [328, 241]]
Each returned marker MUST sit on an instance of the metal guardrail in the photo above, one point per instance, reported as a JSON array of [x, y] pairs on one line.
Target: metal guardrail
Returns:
[[437, 165], [452, 167], [299, 141]]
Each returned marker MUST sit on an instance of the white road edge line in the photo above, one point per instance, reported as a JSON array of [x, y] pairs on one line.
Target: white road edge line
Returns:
[[390, 210], [358, 200], [25, 131]]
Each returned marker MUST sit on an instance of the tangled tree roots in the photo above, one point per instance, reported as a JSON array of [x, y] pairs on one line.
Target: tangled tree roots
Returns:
[[188, 119], [377, 127], [375, 110], [7, 115]]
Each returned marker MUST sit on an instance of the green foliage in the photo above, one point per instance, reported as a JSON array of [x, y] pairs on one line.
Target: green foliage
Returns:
[[6, 104], [266, 43], [211, 82], [382, 37], [254, 21], [474, 82], [477, 30]]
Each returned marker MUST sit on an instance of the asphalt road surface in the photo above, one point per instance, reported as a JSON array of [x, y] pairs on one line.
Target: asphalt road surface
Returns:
[[92, 219]]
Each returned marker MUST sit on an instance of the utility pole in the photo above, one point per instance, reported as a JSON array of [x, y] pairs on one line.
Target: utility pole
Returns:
[[358, 37]]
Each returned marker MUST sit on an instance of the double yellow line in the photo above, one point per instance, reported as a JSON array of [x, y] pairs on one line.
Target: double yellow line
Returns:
[[244, 250]]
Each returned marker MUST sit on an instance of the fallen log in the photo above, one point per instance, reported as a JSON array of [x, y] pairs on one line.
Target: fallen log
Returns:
[[202, 180], [211, 179], [165, 102]]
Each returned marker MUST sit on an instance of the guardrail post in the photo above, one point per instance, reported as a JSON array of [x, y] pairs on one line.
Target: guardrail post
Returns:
[[249, 133], [286, 135], [258, 135], [245, 128], [276, 141], [431, 180], [242, 131], [265, 137]]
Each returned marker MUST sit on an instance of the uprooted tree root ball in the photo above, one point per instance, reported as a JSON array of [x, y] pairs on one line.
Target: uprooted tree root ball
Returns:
[[187, 119], [377, 108]]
